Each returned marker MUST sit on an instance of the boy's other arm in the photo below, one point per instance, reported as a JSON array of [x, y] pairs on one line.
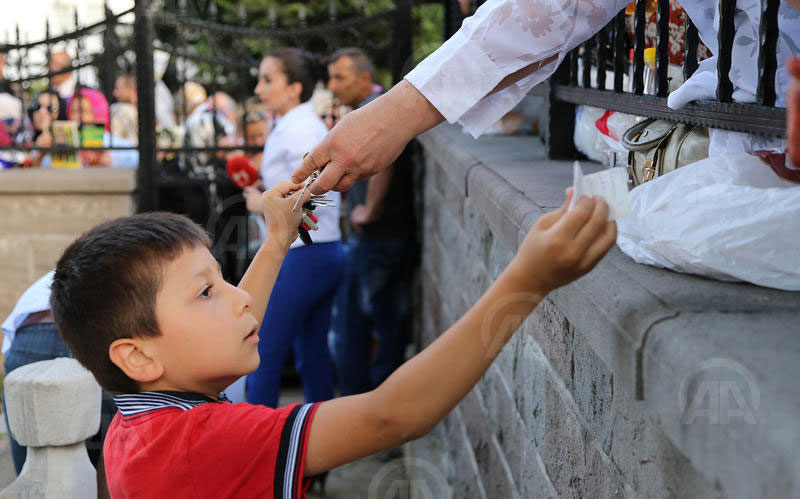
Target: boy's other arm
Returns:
[[560, 248], [282, 225]]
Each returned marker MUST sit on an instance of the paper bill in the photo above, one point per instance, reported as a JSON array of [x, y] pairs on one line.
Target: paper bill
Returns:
[[611, 185]]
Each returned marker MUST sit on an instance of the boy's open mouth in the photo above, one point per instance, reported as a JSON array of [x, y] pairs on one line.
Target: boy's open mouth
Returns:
[[253, 334]]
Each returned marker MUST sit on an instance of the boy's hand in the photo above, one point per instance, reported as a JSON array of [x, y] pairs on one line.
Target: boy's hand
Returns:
[[281, 221], [562, 246]]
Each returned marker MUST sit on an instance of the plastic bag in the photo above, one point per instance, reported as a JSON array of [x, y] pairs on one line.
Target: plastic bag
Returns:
[[727, 217]]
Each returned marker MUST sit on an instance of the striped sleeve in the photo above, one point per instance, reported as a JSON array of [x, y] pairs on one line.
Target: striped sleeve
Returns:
[[290, 464]]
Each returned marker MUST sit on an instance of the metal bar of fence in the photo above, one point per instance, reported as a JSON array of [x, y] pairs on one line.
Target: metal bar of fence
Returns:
[[725, 36], [573, 68], [587, 64], [662, 49], [767, 52], [690, 49], [638, 47], [748, 118], [60, 38], [620, 57], [602, 56], [145, 78]]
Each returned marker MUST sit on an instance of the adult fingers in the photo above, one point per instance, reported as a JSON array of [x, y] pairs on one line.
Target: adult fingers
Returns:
[[604, 242], [328, 179], [345, 182], [594, 226], [313, 161]]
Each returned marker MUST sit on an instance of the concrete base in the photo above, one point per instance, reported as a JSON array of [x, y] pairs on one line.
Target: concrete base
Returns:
[[57, 472]]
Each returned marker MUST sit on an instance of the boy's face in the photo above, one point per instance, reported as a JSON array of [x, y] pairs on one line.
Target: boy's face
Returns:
[[208, 335]]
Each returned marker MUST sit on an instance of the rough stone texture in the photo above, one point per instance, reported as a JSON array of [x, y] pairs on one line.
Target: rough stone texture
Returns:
[[631, 382], [44, 210]]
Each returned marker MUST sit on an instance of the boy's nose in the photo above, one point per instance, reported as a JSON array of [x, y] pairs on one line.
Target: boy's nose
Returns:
[[245, 301]]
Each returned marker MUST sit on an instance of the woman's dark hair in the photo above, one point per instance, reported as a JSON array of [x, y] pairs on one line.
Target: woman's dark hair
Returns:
[[301, 66]]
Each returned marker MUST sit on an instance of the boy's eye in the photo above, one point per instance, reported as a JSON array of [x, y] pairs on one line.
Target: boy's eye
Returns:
[[206, 293]]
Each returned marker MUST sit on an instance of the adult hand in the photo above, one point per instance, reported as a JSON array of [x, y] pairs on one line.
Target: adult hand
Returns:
[[368, 139], [361, 216], [793, 111]]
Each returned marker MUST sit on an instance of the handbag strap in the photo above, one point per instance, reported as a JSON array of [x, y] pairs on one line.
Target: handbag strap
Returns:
[[630, 139]]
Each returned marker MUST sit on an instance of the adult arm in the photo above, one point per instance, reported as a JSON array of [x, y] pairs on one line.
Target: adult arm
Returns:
[[561, 247], [474, 78], [375, 203]]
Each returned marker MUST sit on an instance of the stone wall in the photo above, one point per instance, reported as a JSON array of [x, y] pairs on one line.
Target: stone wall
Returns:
[[586, 399], [42, 211]]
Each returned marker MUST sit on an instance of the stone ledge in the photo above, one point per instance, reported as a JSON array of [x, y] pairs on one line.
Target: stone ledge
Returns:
[[652, 326], [57, 181]]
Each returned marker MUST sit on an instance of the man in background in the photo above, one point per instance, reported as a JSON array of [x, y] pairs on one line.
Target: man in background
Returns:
[[369, 327], [64, 82]]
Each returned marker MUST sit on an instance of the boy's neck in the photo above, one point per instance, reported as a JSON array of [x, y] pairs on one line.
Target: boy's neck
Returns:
[[165, 386]]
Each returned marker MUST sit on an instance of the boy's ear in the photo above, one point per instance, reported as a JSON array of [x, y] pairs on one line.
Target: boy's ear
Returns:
[[129, 355]]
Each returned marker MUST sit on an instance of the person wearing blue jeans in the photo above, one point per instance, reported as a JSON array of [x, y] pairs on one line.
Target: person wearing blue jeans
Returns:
[[297, 319], [368, 337], [30, 335], [372, 305]]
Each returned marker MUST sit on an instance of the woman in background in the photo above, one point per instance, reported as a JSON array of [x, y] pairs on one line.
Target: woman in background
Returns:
[[299, 310]]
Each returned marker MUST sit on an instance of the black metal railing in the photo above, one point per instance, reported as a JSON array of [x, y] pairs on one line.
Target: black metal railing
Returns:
[[760, 118]]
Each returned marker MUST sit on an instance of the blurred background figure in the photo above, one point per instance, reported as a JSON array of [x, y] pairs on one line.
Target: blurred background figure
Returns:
[[190, 96], [64, 83], [124, 112], [47, 108], [370, 317]]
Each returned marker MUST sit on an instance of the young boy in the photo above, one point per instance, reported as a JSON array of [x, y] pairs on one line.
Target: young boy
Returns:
[[142, 304]]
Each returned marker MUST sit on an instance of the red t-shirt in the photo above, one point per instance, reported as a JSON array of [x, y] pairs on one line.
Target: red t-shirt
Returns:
[[173, 444]]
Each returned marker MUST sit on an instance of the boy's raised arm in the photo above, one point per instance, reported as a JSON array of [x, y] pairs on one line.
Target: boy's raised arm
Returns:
[[560, 248], [282, 225]]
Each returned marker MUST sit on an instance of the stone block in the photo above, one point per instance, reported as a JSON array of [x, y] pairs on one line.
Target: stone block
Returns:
[[529, 381], [647, 458], [723, 386], [592, 391], [499, 202], [499, 258], [466, 478], [554, 334], [52, 402], [602, 477], [16, 263], [456, 161], [480, 237], [564, 449], [533, 481]]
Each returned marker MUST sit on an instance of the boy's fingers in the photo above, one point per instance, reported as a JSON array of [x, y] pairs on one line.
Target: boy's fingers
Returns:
[[604, 242], [572, 222], [594, 226], [548, 219], [285, 187]]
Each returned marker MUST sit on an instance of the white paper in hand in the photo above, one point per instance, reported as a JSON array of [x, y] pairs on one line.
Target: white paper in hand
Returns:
[[611, 185]]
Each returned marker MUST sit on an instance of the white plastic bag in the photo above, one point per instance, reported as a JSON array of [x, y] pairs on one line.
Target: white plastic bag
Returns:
[[727, 217]]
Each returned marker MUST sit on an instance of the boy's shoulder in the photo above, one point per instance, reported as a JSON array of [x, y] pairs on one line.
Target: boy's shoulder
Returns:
[[201, 437]]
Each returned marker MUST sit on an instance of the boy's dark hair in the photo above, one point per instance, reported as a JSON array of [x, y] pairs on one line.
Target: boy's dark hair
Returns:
[[106, 282], [300, 65]]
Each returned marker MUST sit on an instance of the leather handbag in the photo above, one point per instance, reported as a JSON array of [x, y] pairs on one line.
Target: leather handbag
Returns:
[[657, 147]]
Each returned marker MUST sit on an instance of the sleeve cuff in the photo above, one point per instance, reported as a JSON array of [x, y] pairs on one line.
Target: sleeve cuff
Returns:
[[456, 76], [292, 453]]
